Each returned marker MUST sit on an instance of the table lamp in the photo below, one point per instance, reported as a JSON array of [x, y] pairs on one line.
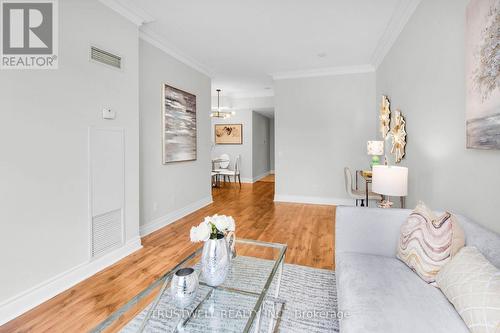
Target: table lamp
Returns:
[[390, 181], [375, 149]]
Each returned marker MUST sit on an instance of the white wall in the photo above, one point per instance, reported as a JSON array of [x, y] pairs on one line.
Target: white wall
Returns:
[[44, 121], [260, 146], [322, 125], [271, 144], [172, 190], [424, 75]]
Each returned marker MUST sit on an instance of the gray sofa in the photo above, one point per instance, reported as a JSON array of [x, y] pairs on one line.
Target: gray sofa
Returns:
[[377, 292]]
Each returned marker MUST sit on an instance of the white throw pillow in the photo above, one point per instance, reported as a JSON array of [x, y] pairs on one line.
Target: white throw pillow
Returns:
[[472, 284]]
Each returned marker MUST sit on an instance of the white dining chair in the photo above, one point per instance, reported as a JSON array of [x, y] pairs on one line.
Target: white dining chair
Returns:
[[224, 161], [358, 195], [232, 172]]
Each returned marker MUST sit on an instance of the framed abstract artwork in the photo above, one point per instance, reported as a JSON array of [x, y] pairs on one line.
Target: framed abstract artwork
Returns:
[[482, 70], [178, 125], [229, 134]]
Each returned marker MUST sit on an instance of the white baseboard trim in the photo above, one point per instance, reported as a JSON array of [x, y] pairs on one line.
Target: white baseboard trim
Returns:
[[173, 216], [259, 177], [271, 172], [314, 200], [25, 301], [254, 179]]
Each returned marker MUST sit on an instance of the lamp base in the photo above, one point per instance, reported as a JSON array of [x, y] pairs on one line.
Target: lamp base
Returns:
[[375, 160], [385, 204]]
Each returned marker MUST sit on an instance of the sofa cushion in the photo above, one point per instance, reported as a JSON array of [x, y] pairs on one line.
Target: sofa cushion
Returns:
[[381, 294], [486, 241]]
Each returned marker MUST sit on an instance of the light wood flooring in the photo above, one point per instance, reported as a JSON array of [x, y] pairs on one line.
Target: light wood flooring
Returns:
[[307, 229]]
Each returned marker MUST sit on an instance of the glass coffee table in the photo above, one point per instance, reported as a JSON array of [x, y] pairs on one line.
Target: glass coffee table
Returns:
[[247, 301]]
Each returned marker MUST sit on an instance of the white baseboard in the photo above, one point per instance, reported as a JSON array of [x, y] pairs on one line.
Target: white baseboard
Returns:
[[173, 216], [271, 172], [19, 304], [259, 177], [314, 200], [255, 179]]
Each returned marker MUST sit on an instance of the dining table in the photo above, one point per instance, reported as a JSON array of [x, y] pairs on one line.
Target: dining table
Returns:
[[367, 177]]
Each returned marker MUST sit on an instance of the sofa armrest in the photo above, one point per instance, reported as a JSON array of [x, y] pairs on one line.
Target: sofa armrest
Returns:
[[368, 230]]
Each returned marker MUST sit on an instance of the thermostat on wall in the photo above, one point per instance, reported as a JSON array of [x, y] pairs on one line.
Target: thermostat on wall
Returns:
[[108, 113]]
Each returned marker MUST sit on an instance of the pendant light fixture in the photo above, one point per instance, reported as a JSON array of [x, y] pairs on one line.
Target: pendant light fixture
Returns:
[[219, 111]]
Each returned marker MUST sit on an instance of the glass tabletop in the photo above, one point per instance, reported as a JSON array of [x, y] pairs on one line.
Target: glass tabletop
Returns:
[[234, 306]]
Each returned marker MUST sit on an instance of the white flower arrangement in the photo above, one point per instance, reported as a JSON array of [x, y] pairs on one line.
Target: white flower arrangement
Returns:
[[211, 227]]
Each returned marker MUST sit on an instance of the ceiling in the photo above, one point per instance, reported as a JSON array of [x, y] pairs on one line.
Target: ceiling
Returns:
[[243, 44]]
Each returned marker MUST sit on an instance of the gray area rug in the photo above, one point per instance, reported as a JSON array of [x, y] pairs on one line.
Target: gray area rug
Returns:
[[309, 296]]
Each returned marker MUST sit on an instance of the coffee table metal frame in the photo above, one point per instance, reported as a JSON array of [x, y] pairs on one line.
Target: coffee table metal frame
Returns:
[[256, 314]]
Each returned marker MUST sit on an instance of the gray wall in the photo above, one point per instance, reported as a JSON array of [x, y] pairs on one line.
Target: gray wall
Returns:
[[271, 144], [44, 121], [167, 189], [322, 125], [260, 146], [424, 75]]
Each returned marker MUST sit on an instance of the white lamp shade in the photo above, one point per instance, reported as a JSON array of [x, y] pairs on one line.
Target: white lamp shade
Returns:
[[390, 180], [375, 148]]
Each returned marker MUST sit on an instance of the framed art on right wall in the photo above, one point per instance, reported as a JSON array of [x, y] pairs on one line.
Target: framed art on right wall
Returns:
[[482, 74]]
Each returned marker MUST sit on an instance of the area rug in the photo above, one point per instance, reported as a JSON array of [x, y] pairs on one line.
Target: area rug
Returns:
[[309, 296]]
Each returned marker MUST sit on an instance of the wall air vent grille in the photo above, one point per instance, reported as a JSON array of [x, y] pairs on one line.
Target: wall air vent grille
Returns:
[[106, 232], [104, 57]]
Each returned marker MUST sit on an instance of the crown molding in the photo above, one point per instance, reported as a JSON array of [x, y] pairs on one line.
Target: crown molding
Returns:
[[155, 40], [128, 10], [330, 71], [252, 94], [396, 25]]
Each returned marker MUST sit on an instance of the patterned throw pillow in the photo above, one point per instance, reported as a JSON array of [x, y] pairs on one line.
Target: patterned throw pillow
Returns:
[[472, 284], [428, 242]]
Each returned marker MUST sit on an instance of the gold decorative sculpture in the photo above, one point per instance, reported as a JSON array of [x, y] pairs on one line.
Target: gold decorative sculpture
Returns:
[[398, 134], [385, 116]]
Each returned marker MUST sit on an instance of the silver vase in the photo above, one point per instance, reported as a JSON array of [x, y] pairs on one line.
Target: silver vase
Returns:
[[215, 261], [184, 286]]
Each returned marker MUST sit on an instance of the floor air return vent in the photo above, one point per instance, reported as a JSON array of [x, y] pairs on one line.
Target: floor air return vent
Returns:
[[106, 232]]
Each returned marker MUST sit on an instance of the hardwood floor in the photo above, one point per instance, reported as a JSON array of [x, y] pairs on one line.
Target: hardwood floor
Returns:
[[268, 178], [307, 229]]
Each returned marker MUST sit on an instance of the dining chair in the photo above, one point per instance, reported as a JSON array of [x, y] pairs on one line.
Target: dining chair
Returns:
[[232, 172], [358, 195], [225, 161]]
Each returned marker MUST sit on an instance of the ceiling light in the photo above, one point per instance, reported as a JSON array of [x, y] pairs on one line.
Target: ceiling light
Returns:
[[218, 112]]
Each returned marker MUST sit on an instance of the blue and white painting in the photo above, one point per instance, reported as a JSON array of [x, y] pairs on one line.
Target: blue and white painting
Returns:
[[179, 125], [482, 59]]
